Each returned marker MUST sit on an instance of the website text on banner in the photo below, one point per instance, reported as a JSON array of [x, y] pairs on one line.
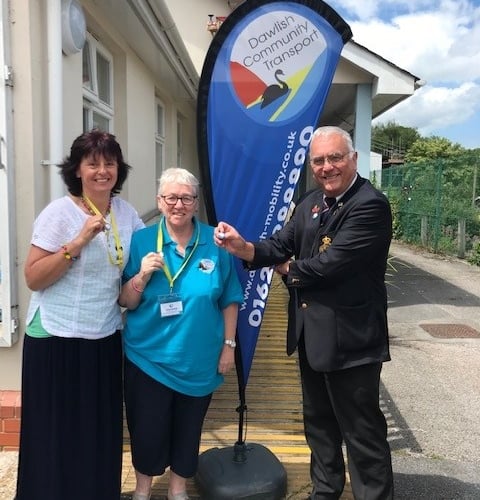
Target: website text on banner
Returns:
[[263, 86]]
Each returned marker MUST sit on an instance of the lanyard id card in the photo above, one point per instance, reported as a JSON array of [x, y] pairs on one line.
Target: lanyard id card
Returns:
[[170, 305]]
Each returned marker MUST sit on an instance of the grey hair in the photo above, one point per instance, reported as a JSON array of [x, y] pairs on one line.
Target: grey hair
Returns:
[[175, 175], [331, 130]]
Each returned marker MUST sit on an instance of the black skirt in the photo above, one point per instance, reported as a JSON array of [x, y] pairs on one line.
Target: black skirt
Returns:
[[72, 419]]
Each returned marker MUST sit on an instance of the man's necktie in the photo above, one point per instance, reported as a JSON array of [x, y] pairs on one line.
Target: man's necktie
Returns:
[[327, 205]]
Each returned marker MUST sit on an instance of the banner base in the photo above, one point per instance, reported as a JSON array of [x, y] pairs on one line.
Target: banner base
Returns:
[[243, 471]]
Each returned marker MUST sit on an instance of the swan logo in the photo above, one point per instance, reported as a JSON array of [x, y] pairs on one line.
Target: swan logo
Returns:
[[275, 91], [276, 64]]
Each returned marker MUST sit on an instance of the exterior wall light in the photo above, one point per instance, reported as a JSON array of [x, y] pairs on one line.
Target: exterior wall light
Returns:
[[214, 25], [74, 27]]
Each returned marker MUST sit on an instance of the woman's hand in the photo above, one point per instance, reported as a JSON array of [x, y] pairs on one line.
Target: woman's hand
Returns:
[[227, 359], [151, 262], [227, 356], [93, 226], [132, 290]]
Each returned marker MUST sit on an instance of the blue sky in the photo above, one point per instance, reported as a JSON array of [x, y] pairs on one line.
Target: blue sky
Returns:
[[437, 41]]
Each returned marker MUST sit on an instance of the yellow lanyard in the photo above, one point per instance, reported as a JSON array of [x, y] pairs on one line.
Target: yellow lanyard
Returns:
[[118, 260], [171, 279]]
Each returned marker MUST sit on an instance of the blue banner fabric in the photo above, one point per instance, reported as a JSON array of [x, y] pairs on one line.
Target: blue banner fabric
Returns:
[[264, 83]]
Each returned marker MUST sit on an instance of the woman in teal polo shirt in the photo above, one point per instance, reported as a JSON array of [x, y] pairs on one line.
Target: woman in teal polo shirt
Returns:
[[182, 294]]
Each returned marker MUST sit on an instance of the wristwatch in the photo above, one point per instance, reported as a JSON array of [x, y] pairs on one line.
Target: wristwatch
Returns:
[[230, 343]]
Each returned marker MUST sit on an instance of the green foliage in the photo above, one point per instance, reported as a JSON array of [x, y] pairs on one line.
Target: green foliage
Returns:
[[474, 257], [446, 245], [393, 140], [395, 205], [429, 198], [435, 185], [433, 148]]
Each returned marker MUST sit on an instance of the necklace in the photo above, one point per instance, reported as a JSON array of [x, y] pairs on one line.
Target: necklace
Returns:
[[92, 209], [171, 279]]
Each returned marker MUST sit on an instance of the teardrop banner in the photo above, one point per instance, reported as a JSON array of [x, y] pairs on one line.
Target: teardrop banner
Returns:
[[263, 86]]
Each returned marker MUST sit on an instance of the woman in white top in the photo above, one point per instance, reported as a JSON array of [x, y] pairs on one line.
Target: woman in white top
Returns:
[[72, 418]]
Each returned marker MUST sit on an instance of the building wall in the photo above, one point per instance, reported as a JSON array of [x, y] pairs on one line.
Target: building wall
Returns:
[[28, 92], [135, 87], [189, 17], [140, 135]]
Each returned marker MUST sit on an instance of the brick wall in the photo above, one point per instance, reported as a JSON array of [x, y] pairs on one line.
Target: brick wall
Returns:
[[10, 411]]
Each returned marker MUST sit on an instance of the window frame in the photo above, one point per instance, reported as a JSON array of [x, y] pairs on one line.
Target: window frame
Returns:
[[180, 132], [159, 136], [92, 102]]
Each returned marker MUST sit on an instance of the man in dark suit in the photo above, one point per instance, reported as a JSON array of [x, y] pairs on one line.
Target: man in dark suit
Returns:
[[333, 255]]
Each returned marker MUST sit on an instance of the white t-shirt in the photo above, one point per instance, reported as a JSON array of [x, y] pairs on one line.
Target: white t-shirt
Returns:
[[83, 302]]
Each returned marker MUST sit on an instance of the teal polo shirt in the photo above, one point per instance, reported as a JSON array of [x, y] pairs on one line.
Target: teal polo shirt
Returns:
[[181, 351]]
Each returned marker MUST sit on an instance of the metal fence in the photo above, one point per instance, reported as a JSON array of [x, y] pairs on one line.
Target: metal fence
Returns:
[[436, 205]]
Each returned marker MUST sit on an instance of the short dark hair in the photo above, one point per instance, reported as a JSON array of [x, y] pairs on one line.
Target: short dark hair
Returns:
[[96, 143]]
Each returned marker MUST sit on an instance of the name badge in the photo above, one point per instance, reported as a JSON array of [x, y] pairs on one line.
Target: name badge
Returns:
[[170, 305]]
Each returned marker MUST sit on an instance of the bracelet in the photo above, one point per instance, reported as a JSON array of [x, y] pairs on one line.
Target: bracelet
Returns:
[[68, 255], [135, 287]]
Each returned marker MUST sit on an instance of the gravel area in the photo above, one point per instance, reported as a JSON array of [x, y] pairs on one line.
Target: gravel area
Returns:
[[8, 474]]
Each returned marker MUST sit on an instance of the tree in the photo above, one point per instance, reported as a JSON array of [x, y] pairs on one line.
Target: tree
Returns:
[[392, 140], [438, 163], [433, 148]]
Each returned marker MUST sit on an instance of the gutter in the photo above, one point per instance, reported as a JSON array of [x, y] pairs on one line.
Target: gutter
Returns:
[[55, 96], [161, 26]]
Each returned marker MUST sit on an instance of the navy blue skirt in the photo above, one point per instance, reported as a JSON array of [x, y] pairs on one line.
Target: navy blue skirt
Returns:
[[72, 419]]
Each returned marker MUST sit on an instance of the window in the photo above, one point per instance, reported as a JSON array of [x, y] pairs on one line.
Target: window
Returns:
[[97, 86], [159, 138]]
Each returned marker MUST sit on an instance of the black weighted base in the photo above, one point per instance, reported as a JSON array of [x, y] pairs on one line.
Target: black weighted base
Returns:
[[243, 471]]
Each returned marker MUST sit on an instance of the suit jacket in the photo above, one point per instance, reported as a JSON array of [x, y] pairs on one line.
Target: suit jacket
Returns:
[[338, 298]]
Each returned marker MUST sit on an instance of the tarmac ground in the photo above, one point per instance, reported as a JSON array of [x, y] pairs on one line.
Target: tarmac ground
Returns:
[[431, 388]]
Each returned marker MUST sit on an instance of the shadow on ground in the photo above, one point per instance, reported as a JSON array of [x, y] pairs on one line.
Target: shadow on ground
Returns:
[[433, 487], [409, 285]]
